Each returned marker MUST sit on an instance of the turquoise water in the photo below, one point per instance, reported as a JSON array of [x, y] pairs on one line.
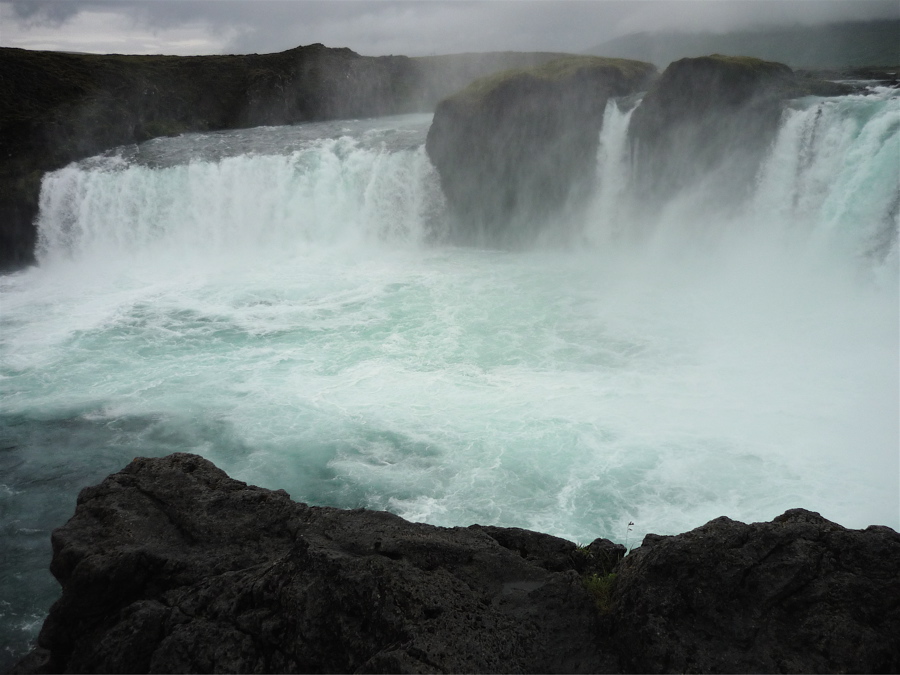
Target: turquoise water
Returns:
[[279, 301]]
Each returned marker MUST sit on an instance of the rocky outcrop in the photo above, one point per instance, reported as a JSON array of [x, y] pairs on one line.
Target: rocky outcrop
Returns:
[[797, 595], [56, 107], [514, 148], [712, 118], [171, 566]]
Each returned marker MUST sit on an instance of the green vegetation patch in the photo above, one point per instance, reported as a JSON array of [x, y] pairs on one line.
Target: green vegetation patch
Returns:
[[600, 586], [558, 70], [735, 79], [782, 80], [750, 63], [569, 66]]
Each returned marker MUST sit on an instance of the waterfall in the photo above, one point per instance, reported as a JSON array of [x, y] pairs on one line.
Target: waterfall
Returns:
[[829, 184], [282, 301], [331, 191]]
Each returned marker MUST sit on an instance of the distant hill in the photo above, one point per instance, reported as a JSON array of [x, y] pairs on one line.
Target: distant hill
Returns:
[[831, 46]]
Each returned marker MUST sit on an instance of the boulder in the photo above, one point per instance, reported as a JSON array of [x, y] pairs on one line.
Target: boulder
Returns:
[[516, 148], [172, 566], [797, 595]]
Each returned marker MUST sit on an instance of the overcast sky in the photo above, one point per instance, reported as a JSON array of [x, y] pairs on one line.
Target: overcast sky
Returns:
[[379, 27]]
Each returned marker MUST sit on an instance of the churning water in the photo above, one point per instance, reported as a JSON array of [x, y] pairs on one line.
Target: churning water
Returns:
[[279, 300]]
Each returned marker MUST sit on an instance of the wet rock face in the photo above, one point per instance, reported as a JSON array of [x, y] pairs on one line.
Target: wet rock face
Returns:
[[514, 149], [712, 118], [799, 594], [171, 566]]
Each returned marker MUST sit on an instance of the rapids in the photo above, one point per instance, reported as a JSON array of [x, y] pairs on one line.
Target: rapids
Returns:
[[279, 300]]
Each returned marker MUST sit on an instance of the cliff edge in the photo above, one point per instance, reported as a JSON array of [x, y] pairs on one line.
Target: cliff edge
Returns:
[[713, 118], [516, 149], [172, 566]]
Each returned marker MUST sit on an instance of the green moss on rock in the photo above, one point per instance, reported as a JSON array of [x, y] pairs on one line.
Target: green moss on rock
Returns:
[[558, 70]]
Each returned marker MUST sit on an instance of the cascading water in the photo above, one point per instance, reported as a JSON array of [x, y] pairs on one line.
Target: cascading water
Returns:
[[278, 300], [181, 202]]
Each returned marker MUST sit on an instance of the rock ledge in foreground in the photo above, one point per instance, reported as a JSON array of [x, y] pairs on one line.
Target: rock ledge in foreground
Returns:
[[172, 566]]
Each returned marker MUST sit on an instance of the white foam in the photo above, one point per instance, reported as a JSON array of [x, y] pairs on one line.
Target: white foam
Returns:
[[284, 316]]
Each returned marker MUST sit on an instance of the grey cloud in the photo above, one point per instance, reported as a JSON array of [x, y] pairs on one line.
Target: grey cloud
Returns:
[[416, 27], [727, 16], [40, 13]]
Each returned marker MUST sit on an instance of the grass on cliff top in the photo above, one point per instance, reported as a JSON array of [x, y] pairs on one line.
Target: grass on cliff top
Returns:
[[744, 68], [33, 83], [556, 70], [747, 62], [745, 76], [783, 81]]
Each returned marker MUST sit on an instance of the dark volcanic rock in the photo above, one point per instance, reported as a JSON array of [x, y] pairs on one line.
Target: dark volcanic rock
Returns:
[[171, 566], [798, 595], [712, 117], [515, 148]]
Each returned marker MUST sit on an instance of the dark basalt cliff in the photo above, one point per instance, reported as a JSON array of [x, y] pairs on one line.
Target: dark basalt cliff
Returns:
[[713, 113], [514, 148], [517, 149], [171, 566], [56, 107]]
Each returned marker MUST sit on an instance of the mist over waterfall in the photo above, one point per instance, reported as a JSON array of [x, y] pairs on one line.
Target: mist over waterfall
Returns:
[[282, 301]]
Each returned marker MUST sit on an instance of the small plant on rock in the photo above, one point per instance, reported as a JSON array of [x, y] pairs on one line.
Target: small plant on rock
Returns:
[[600, 587]]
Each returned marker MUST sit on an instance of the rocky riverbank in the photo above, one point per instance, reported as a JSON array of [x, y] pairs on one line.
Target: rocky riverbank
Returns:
[[172, 566]]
